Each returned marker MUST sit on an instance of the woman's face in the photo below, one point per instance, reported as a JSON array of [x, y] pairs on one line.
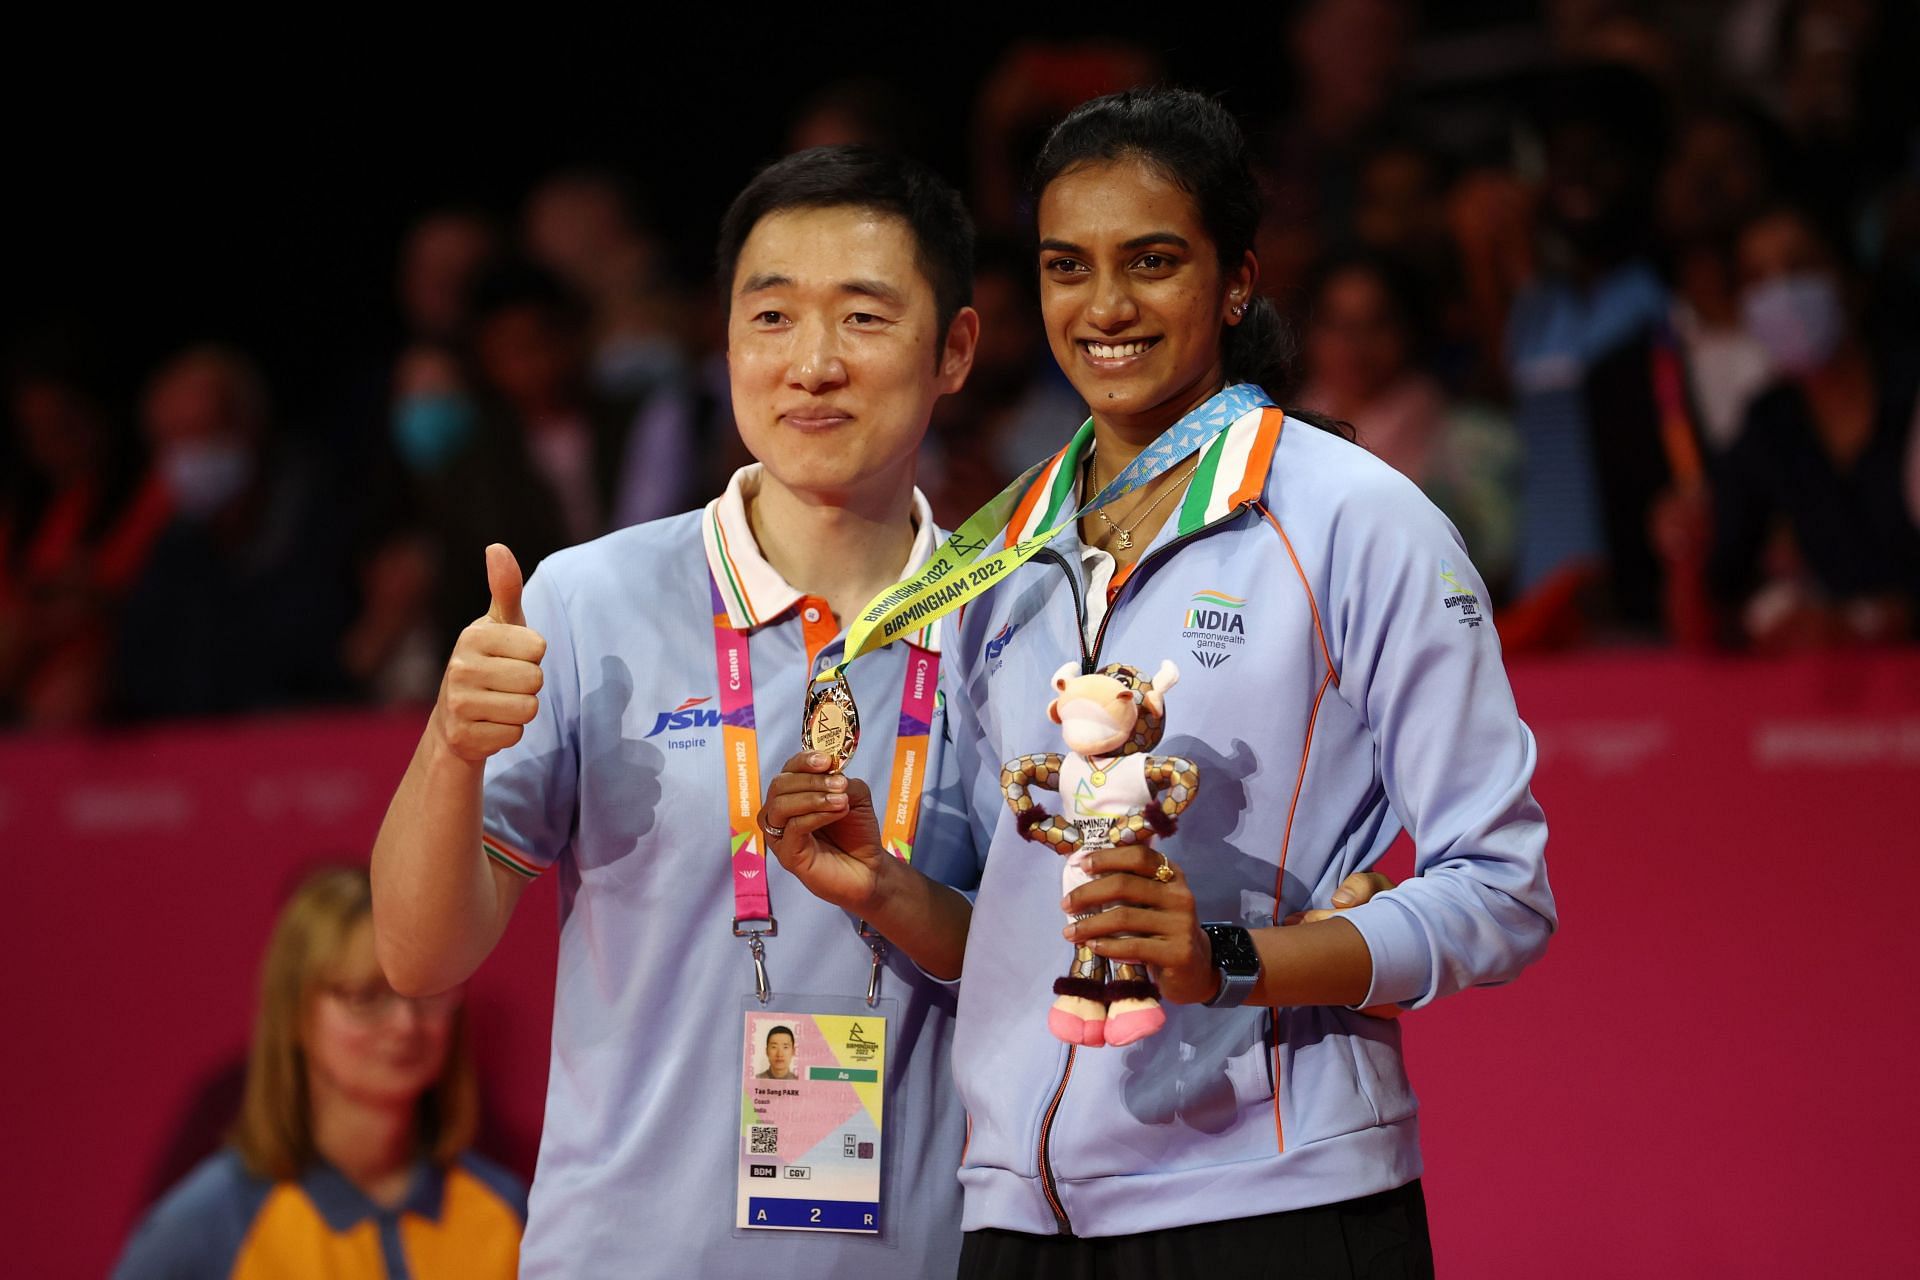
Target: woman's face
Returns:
[[1781, 244], [1355, 345], [1132, 293], [365, 1042]]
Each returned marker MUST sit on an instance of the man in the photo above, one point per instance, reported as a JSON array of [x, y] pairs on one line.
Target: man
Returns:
[[601, 720], [779, 1055]]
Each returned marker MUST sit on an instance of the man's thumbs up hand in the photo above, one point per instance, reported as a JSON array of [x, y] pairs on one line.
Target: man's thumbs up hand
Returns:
[[490, 692], [504, 582]]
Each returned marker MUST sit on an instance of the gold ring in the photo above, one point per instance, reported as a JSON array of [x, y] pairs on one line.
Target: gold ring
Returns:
[[1164, 872]]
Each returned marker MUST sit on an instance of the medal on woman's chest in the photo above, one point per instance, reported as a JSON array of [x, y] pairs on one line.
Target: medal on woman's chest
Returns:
[[832, 722]]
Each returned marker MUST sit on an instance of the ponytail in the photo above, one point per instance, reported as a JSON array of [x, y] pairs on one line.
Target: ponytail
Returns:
[[1261, 349]]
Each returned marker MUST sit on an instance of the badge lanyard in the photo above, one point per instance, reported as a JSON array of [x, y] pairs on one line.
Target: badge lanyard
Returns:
[[753, 917], [957, 572]]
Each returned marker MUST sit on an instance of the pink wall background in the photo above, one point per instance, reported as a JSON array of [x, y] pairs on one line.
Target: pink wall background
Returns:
[[1702, 1078]]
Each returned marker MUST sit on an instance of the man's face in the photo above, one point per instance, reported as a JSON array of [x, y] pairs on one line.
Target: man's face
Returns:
[[835, 351], [780, 1055]]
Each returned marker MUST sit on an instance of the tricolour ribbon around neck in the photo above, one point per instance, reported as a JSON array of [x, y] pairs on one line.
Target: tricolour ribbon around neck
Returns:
[[960, 570]]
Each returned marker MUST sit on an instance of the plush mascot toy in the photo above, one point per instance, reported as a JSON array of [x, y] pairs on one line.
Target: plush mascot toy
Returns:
[[1111, 793]]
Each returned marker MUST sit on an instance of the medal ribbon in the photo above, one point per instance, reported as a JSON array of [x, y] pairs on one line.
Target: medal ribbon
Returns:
[[958, 571], [746, 850]]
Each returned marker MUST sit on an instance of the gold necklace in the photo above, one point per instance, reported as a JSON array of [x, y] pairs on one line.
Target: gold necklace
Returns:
[[1125, 540]]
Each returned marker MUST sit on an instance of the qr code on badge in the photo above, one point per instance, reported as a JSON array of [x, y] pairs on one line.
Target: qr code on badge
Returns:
[[763, 1139]]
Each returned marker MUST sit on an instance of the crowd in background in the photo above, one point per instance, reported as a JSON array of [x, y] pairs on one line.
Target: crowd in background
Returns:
[[1640, 313]]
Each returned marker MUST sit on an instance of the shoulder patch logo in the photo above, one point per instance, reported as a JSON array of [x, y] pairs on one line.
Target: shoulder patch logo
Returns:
[[1214, 626], [1455, 594]]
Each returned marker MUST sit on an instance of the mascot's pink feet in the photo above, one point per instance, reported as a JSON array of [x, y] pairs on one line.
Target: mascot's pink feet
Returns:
[[1124, 1027], [1091, 1032], [1078, 1014]]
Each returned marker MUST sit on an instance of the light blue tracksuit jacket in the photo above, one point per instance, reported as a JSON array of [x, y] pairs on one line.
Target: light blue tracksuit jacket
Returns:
[[1340, 679]]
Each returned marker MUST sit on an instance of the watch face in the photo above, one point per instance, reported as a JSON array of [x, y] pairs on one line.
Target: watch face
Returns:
[[1233, 949]]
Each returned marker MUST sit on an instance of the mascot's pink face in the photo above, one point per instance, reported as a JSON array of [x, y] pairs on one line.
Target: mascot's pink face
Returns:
[[1095, 713]]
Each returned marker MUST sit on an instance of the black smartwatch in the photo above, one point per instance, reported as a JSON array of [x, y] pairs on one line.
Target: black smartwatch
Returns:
[[1237, 960]]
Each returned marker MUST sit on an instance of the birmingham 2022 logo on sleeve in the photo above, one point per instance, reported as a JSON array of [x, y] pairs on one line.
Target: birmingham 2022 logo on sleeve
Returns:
[[1456, 594], [1214, 626]]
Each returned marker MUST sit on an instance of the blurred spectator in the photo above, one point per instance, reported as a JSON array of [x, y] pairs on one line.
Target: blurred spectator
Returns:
[[866, 111], [1719, 175], [1812, 538], [76, 527], [1629, 33], [1585, 339], [394, 651], [441, 254], [1401, 211], [1015, 408], [517, 447], [587, 228], [445, 250], [243, 600], [350, 1156], [1363, 339], [1845, 94], [1347, 60], [1028, 91]]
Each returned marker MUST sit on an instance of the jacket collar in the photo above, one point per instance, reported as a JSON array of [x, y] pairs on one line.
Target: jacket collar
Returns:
[[753, 590], [1232, 473], [344, 1206]]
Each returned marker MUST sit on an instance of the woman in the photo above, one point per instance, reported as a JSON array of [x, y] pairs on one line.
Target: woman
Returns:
[[1820, 455], [76, 526], [1336, 672], [1360, 356], [349, 1157]]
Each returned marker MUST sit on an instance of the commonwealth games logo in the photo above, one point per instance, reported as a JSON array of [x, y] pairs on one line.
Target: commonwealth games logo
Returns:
[[1214, 626]]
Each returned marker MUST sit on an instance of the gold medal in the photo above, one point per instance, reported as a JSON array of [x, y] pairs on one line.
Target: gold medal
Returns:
[[832, 724]]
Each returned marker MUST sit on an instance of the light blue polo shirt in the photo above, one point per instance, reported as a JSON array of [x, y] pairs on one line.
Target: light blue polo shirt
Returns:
[[618, 787]]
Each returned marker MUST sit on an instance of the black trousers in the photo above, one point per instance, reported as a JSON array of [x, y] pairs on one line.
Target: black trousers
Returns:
[[1377, 1237]]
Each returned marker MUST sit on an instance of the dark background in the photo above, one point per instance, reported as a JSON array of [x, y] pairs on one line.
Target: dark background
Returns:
[[257, 195]]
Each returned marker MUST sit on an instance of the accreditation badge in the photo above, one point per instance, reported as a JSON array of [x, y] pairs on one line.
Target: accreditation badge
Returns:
[[811, 1097]]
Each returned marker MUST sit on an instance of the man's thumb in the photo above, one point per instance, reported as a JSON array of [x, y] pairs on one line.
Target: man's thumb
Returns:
[[504, 582]]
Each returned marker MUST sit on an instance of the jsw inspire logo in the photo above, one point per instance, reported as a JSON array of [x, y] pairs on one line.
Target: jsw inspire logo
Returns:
[[997, 645], [685, 717]]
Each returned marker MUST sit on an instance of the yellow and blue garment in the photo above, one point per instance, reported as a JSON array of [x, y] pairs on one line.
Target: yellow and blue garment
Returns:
[[461, 1221]]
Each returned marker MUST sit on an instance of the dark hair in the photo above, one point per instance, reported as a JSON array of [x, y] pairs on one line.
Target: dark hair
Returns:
[[782, 1031], [1623, 104], [1833, 240], [516, 284], [1405, 297], [862, 178], [1194, 143]]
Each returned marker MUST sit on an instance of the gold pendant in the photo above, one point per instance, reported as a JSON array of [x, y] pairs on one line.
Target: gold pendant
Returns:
[[1124, 541], [1099, 777], [832, 723]]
